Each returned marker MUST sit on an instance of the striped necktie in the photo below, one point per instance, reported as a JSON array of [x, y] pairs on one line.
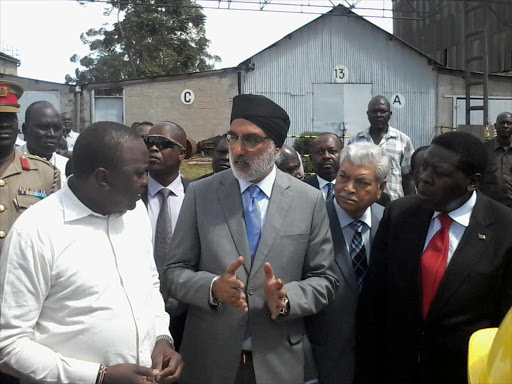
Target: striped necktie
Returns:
[[358, 252]]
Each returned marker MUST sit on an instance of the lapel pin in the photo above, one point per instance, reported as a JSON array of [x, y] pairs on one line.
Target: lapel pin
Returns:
[[481, 237]]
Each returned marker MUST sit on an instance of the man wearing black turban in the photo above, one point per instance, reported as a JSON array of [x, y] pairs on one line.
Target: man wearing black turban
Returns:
[[252, 257]]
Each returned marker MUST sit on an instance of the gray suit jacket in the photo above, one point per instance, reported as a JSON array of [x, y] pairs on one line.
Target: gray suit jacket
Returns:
[[295, 239], [332, 331]]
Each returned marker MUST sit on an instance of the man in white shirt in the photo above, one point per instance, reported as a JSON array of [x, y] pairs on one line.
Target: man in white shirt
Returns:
[[440, 269], [325, 156], [79, 290], [43, 131], [166, 143], [69, 135]]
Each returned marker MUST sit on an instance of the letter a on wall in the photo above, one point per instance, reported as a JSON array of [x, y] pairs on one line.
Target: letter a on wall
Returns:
[[397, 101]]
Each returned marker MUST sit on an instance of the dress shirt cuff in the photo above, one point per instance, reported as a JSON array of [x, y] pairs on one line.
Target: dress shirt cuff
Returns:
[[214, 304]]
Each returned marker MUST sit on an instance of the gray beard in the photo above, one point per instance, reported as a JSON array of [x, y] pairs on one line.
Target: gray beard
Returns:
[[257, 167]]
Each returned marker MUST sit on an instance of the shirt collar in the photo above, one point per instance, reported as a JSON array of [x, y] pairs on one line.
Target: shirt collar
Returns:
[[462, 214], [52, 160], [498, 145], [265, 185], [175, 187], [73, 208], [345, 219], [391, 133], [322, 182]]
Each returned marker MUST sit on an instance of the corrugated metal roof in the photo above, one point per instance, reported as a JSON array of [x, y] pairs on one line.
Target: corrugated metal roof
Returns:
[[286, 72]]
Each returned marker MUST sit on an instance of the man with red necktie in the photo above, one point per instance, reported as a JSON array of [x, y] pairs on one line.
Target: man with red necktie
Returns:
[[440, 270]]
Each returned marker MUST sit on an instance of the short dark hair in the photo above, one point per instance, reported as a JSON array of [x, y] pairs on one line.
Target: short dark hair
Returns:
[[32, 108], [415, 155], [98, 146], [471, 151], [144, 123], [328, 134]]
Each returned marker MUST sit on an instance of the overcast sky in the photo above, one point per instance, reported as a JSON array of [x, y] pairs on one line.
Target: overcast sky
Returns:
[[46, 33]]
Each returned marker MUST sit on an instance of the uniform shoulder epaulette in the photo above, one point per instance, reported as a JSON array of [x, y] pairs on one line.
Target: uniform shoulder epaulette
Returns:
[[41, 159]]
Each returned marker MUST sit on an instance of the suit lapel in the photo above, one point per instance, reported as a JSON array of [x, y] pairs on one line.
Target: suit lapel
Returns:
[[230, 200], [471, 247], [279, 204], [340, 249]]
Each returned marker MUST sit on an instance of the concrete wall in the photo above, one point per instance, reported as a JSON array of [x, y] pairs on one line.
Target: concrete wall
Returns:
[[160, 100], [65, 91], [8, 67], [451, 83]]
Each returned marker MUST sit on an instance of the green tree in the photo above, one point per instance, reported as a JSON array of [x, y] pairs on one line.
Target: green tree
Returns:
[[150, 38]]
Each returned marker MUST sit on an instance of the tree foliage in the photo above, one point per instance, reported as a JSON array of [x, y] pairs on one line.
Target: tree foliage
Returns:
[[150, 38]]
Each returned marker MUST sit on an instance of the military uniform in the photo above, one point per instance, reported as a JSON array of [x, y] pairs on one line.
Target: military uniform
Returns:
[[27, 180]]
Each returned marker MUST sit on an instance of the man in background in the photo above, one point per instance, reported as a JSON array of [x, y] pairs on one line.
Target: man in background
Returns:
[[325, 156], [43, 131], [163, 197], [220, 158], [67, 132], [288, 161], [396, 145], [497, 181]]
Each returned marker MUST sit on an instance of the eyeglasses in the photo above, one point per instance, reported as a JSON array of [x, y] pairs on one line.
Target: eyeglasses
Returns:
[[250, 141], [161, 142]]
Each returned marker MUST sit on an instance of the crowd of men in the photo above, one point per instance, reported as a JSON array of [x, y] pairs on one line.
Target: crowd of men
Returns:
[[377, 269]]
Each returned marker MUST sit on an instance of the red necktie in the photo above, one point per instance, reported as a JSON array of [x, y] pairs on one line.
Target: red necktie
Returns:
[[433, 262]]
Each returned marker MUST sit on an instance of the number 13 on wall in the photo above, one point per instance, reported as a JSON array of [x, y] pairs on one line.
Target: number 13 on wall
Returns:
[[340, 74]]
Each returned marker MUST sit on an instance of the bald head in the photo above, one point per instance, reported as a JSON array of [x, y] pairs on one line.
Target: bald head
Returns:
[[171, 130], [287, 160], [504, 128], [379, 113], [35, 110]]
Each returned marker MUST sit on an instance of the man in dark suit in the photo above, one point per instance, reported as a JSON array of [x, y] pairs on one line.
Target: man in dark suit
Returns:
[[166, 143], [354, 217], [441, 268], [325, 157]]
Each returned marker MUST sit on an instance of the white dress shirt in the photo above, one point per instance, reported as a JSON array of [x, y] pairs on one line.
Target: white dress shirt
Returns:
[[322, 185], [348, 232], [71, 139], [263, 199], [78, 289], [174, 201], [56, 160], [460, 221]]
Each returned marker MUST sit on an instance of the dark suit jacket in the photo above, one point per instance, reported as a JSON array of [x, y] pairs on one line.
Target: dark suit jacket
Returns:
[[313, 181], [332, 331], [177, 311], [394, 343]]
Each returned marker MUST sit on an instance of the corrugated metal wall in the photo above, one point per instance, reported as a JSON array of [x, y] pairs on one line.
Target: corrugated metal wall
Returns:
[[286, 72]]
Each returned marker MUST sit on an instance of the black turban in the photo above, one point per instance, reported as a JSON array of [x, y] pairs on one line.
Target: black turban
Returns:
[[263, 112]]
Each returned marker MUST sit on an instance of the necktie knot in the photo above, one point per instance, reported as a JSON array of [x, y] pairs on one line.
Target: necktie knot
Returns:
[[357, 225], [165, 193], [254, 191], [445, 220]]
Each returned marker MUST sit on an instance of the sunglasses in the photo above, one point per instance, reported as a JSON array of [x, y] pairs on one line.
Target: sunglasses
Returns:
[[161, 142]]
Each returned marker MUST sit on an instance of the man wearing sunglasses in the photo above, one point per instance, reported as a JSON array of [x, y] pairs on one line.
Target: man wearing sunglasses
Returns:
[[163, 197], [252, 257]]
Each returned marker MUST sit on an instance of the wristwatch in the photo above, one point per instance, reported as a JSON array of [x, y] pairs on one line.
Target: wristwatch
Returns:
[[286, 310]]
